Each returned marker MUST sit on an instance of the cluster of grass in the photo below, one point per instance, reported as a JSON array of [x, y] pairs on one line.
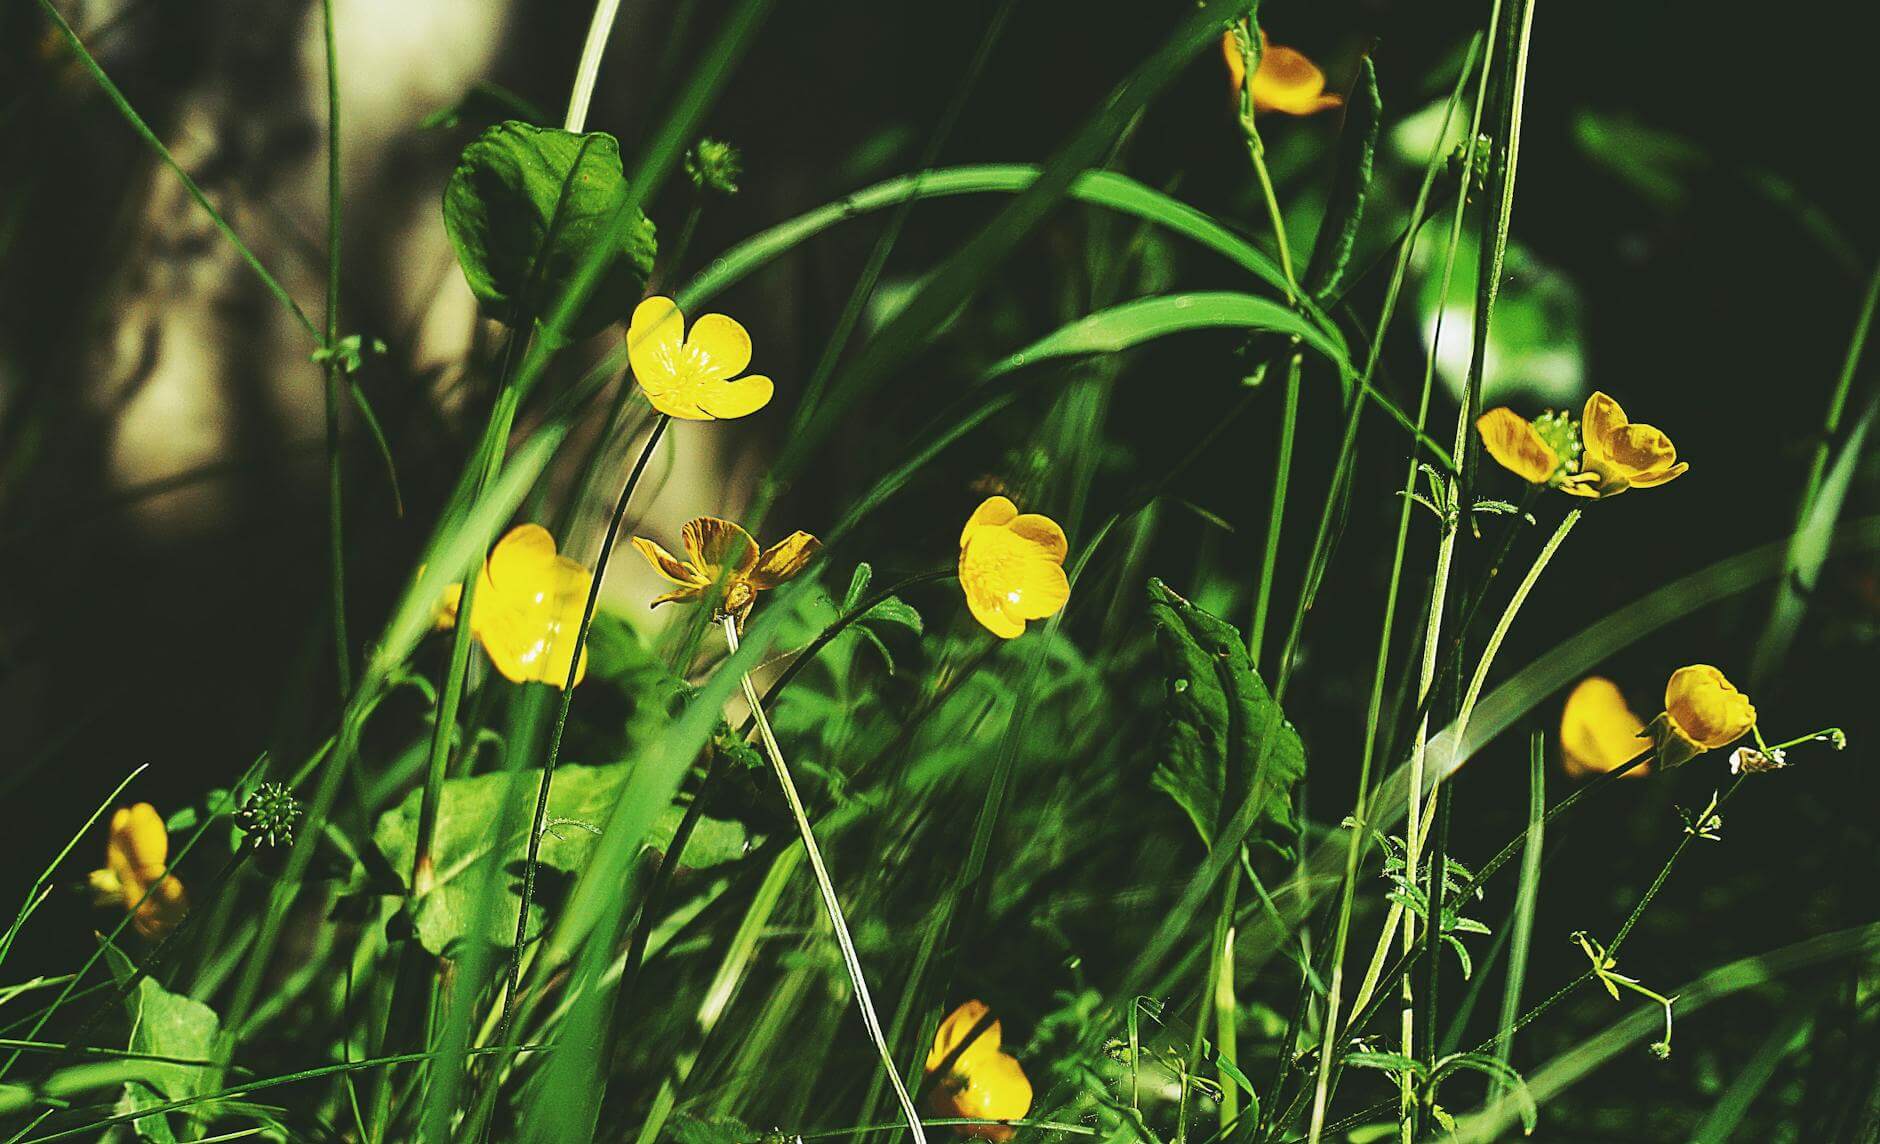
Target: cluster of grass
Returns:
[[726, 884]]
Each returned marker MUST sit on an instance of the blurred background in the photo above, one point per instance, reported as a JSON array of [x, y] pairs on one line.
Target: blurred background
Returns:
[[1691, 234]]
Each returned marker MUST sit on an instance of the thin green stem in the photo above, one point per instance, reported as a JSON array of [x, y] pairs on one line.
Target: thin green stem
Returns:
[[336, 535], [600, 28], [832, 905], [1282, 469], [540, 822]]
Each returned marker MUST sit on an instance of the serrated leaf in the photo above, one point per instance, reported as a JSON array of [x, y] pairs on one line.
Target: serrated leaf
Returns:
[[168, 1025], [858, 584], [895, 611], [1224, 727], [1351, 185], [525, 205], [1462, 955], [471, 814]]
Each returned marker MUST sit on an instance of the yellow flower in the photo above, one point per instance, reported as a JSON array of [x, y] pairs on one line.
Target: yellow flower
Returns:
[[1705, 709], [1598, 732], [983, 1081], [721, 553], [691, 377], [528, 608], [1012, 567], [136, 855], [1620, 454], [1285, 80], [1516, 444]]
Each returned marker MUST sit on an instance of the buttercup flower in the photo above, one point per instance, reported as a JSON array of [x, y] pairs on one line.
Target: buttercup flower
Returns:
[[136, 854], [692, 377], [1598, 732], [1703, 711], [719, 552], [1619, 454], [1285, 80], [528, 607], [1012, 567], [983, 1081]]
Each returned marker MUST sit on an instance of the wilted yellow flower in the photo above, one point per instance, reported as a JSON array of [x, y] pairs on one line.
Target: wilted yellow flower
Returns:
[[1706, 708], [1619, 454], [1012, 567], [1285, 80], [719, 552], [136, 855], [983, 1081], [528, 608], [692, 377], [1598, 732]]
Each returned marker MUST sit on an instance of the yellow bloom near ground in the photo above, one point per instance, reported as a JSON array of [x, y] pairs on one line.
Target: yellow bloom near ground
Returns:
[[1706, 709], [1598, 731], [1286, 80], [528, 608], [1621, 454], [721, 554], [1012, 567], [983, 1081], [136, 855], [693, 377]]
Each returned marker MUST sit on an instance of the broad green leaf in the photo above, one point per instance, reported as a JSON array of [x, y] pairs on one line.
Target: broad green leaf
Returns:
[[1351, 185], [524, 206], [165, 1024], [470, 809], [1224, 728], [1132, 323]]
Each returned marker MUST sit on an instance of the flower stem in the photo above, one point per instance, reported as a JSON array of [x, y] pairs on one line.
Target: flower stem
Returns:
[[1282, 469], [589, 69], [561, 724], [831, 904], [336, 537]]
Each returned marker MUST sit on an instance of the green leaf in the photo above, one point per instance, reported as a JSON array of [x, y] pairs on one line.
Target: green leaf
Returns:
[[167, 1025], [1385, 1062], [894, 610], [1225, 732], [523, 207], [1132, 323], [1351, 185], [470, 808]]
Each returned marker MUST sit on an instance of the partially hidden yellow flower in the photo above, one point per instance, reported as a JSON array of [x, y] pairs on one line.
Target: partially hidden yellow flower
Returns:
[[136, 856], [694, 377], [1012, 567], [1285, 80], [983, 1081], [1620, 454], [528, 608], [1518, 445], [722, 555], [1598, 732], [1703, 711]]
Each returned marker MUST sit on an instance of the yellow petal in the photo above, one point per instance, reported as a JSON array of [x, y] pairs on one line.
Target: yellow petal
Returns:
[[655, 342], [1653, 480], [784, 559], [1599, 420], [993, 612], [955, 1029], [668, 565], [719, 347], [1289, 82], [535, 644], [1706, 708], [718, 545], [139, 834], [162, 910], [1039, 590], [1598, 732], [673, 404], [678, 596], [727, 400], [997, 511], [1639, 452], [520, 556], [996, 1088], [1516, 445], [1043, 532]]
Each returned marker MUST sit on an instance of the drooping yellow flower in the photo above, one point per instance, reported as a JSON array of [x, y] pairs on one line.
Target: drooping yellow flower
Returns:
[[1620, 454], [692, 377], [528, 608], [1598, 732], [983, 1081], [721, 553], [136, 856], [1012, 567], [1706, 708], [1285, 80]]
